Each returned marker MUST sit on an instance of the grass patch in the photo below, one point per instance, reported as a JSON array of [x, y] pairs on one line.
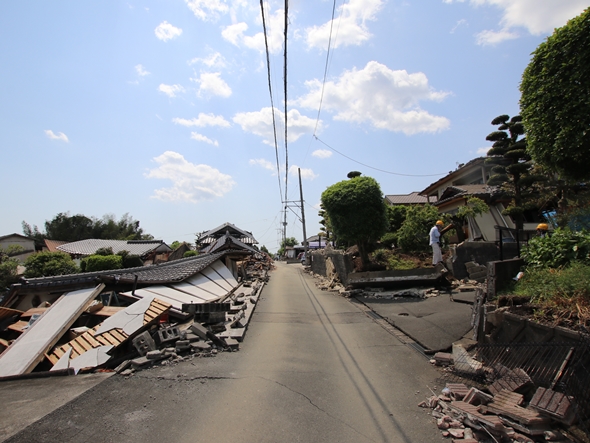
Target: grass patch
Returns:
[[393, 261], [558, 295]]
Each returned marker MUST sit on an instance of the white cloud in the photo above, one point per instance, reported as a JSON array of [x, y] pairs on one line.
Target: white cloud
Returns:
[[165, 31], [488, 37], [203, 120], [140, 70], [385, 98], [190, 182], [482, 152], [260, 123], [170, 90], [322, 153], [59, 136], [211, 83], [459, 23], [264, 164], [207, 9], [349, 28], [306, 173], [201, 138], [215, 60], [537, 17], [235, 34]]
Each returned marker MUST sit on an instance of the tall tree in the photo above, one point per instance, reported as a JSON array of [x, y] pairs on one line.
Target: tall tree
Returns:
[[72, 228], [555, 101], [512, 165], [357, 212]]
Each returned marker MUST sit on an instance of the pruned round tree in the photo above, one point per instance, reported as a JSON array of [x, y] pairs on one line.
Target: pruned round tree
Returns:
[[357, 212], [555, 101]]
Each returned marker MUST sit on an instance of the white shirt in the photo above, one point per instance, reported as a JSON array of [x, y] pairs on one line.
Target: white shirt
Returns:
[[434, 235]]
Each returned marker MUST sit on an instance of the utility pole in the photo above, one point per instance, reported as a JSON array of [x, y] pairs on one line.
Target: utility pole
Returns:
[[303, 219]]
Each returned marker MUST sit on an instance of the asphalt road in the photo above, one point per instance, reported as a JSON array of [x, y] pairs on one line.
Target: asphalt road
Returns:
[[312, 368]]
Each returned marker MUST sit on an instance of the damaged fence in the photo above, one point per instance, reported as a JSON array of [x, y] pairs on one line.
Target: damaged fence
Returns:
[[553, 377]]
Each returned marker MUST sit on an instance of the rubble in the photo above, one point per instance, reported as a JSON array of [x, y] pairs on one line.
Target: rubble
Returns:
[[82, 332]]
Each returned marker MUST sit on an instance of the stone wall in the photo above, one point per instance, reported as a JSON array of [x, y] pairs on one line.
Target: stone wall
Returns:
[[478, 252], [341, 262], [501, 274]]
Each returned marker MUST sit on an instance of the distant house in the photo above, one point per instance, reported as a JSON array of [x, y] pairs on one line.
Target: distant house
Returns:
[[411, 199], [26, 244], [51, 245], [452, 191], [150, 251], [225, 231]]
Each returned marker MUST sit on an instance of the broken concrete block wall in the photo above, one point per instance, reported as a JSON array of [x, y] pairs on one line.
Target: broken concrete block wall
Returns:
[[341, 261]]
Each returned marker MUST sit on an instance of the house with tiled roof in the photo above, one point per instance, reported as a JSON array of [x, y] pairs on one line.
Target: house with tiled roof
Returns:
[[26, 245], [146, 249], [452, 191], [208, 237], [201, 279], [413, 198]]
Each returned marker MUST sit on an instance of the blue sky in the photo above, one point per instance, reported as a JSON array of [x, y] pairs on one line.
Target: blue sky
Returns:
[[161, 109]]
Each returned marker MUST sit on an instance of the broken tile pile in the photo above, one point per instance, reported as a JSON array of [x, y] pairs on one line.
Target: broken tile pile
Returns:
[[51, 341], [512, 410]]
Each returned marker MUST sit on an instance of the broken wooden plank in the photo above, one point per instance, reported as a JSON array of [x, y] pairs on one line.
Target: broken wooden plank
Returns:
[[30, 348]]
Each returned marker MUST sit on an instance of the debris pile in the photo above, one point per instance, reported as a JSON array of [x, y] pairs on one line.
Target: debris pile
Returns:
[[191, 307], [506, 404]]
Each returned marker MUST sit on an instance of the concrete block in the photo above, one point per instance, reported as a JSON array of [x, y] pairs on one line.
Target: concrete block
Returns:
[[141, 362], [154, 355], [192, 337], [232, 344], [144, 343], [479, 275], [168, 335], [199, 330], [201, 346]]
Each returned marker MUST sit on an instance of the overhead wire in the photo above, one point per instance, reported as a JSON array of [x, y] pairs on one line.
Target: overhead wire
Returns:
[[377, 169], [286, 116], [274, 125]]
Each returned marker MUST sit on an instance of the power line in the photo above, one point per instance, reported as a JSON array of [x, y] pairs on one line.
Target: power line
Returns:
[[274, 125], [325, 68], [377, 169], [286, 117]]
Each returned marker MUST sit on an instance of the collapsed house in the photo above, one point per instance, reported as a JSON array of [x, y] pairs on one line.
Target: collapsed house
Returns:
[[96, 319]]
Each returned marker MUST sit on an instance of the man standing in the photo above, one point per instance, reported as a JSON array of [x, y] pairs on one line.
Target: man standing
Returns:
[[435, 242]]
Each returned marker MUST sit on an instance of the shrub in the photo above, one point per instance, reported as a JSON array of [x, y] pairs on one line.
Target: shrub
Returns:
[[413, 235], [102, 263], [389, 239], [190, 254], [45, 264], [106, 251], [560, 249], [132, 261]]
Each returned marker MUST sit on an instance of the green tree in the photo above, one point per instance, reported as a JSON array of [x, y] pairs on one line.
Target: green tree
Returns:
[[413, 234], [46, 264], [326, 230], [8, 267], [473, 207], [101, 263], [175, 244], [288, 242], [512, 169], [357, 212], [555, 100], [79, 227], [263, 249]]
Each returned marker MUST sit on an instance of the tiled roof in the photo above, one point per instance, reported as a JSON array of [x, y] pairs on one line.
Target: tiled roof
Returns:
[[229, 242], [453, 192], [135, 247], [52, 245], [406, 199], [447, 178], [244, 236], [168, 272]]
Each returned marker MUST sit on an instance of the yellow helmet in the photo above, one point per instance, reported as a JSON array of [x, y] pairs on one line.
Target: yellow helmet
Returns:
[[543, 226], [440, 223]]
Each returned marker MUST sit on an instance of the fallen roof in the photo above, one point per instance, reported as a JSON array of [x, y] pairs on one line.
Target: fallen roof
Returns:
[[453, 192], [168, 272], [135, 247]]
